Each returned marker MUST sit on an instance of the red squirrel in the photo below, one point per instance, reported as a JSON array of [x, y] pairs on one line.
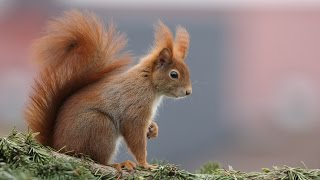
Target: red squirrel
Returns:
[[87, 96]]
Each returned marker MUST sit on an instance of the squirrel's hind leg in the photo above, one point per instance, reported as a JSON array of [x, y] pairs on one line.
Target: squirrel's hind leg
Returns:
[[102, 138], [95, 136]]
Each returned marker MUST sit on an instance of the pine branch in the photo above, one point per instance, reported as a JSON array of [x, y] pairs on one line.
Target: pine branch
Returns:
[[21, 157]]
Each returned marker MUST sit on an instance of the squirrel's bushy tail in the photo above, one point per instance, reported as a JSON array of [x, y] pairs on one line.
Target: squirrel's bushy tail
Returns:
[[75, 51]]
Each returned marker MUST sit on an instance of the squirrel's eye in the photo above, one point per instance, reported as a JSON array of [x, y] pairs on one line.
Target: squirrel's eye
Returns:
[[174, 74]]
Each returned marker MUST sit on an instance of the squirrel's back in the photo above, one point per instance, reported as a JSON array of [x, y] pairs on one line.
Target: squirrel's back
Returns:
[[76, 51]]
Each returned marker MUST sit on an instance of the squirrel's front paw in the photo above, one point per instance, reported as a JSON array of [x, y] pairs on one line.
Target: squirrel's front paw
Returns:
[[153, 130]]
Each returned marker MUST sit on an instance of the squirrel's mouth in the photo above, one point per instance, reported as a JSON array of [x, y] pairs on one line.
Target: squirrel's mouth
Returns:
[[180, 96], [172, 95], [181, 93]]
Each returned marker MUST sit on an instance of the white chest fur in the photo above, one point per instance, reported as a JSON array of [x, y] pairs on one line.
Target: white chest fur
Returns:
[[155, 105]]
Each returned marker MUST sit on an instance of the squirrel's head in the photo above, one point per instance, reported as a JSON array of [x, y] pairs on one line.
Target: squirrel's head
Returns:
[[170, 74]]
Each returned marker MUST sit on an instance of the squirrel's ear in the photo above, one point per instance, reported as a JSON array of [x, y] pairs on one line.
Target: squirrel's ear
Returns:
[[181, 42], [164, 58], [163, 37]]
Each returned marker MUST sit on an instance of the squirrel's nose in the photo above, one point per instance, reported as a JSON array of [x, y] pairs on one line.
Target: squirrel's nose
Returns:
[[188, 92]]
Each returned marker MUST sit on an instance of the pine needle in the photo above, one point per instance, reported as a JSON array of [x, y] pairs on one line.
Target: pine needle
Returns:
[[21, 157]]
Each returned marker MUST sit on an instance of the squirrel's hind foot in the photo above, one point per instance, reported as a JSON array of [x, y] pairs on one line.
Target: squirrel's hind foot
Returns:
[[128, 165]]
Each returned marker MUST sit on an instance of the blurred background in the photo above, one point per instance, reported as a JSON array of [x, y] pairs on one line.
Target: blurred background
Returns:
[[255, 67]]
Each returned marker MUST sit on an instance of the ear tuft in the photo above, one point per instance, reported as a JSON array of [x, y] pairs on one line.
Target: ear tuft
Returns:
[[164, 58], [163, 37], [165, 53], [181, 42]]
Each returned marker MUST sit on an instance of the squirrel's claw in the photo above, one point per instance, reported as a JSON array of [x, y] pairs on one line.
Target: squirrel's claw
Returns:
[[129, 165]]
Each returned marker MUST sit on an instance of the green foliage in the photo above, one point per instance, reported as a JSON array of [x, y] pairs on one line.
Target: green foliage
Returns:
[[159, 162], [209, 168], [167, 171], [276, 173], [21, 157]]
